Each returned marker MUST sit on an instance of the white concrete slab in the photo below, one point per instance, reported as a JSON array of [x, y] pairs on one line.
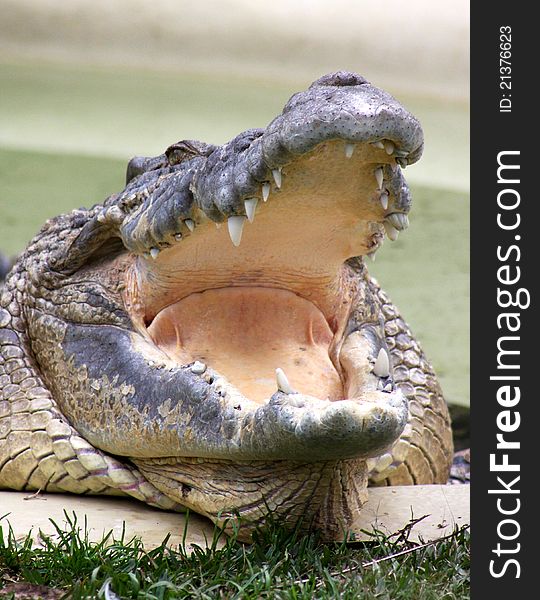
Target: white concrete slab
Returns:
[[388, 510], [27, 513]]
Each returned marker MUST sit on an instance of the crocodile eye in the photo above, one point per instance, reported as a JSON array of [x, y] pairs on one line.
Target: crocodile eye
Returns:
[[179, 152], [186, 150]]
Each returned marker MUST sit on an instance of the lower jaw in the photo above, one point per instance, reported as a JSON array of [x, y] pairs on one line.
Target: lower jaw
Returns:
[[246, 495], [246, 333]]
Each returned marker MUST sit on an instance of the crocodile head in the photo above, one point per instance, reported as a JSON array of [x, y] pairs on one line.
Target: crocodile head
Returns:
[[214, 323]]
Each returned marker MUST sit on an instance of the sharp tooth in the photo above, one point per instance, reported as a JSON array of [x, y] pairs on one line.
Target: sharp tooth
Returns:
[[372, 255], [198, 368], [154, 253], [276, 174], [379, 144], [283, 383], [177, 236], [190, 224], [349, 149], [389, 146], [265, 191], [236, 225], [250, 205], [387, 388], [381, 368], [402, 162], [379, 176], [391, 232], [384, 200], [399, 220]]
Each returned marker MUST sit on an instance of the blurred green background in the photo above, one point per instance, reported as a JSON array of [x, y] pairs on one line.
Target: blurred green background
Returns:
[[83, 88]]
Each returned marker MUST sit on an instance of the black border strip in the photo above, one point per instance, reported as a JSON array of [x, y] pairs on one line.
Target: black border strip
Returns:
[[504, 245]]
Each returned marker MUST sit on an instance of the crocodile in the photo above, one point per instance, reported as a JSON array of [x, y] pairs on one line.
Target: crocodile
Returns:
[[210, 338]]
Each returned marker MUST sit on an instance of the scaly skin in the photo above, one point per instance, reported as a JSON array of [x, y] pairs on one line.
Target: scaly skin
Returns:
[[90, 402]]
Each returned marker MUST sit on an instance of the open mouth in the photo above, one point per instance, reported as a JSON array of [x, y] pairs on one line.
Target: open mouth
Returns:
[[271, 290], [249, 328], [249, 269]]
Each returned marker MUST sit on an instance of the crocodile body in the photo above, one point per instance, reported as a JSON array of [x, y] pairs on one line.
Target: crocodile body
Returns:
[[210, 338]]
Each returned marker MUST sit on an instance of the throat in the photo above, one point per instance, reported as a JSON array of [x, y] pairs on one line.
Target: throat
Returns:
[[246, 333]]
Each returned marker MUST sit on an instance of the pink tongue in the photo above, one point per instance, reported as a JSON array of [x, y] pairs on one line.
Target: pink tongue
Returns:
[[246, 333]]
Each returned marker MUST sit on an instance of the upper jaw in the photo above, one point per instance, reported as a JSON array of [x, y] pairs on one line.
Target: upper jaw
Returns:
[[355, 113], [225, 182]]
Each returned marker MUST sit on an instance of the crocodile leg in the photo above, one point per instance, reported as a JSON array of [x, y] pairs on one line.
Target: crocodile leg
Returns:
[[39, 449]]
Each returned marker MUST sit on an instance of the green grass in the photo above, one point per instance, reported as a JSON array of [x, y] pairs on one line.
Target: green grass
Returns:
[[279, 564]]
